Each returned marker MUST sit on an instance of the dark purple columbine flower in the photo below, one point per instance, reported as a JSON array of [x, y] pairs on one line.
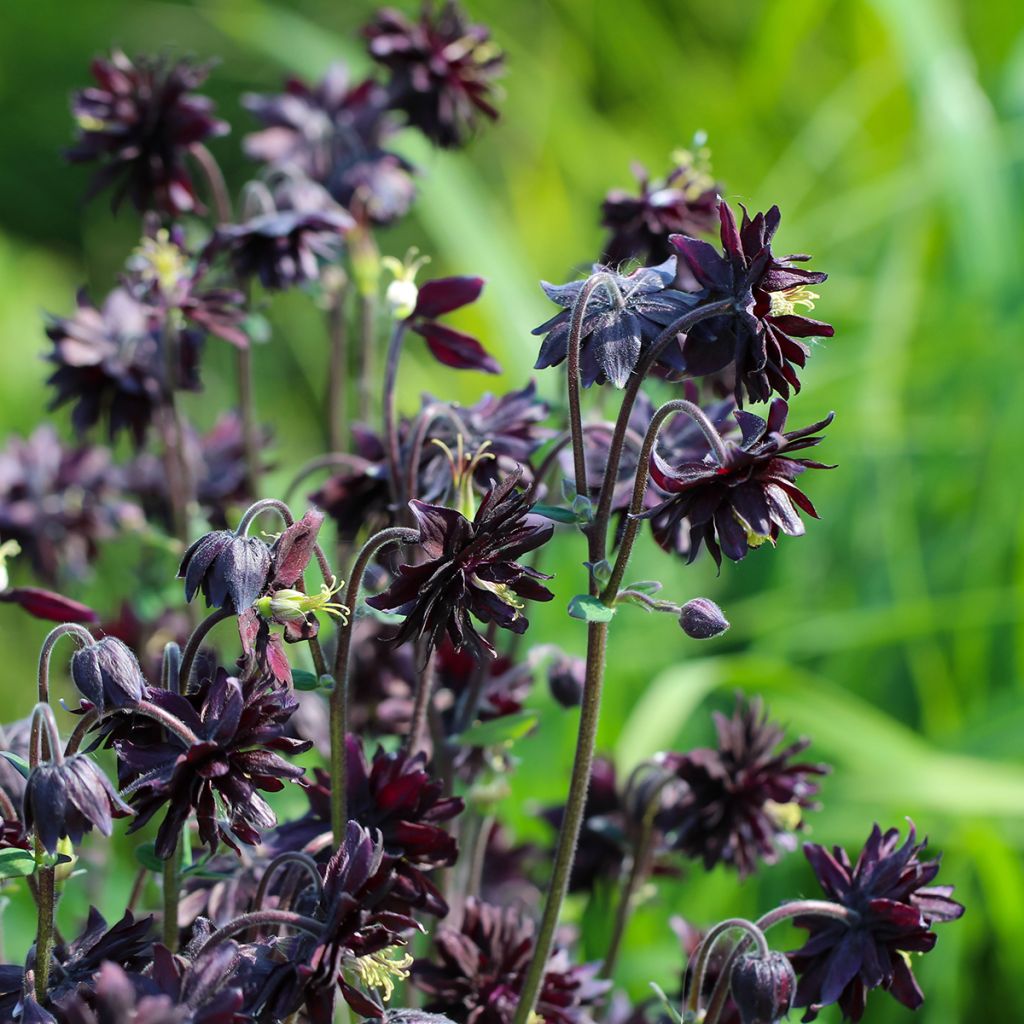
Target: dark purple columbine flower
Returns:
[[757, 341], [702, 619], [111, 362], [70, 798], [448, 346], [763, 987], [893, 908], [334, 133], [442, 70], [470, 569], [615, 336], [139, 122], [685, 202], [230, 569], [108, 675], [481, 967], [752, 498], [239, 725], [745, 796]]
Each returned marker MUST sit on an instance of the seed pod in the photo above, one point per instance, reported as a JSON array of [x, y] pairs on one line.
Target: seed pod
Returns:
[[702, 619]]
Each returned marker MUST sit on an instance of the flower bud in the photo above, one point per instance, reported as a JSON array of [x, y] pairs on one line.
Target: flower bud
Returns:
[[231, 570], [566, 677], [107, 674], [401, 298], [763, 987], [702, 619]]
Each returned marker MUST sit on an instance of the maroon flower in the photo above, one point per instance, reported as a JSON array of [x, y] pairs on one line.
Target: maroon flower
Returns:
[[45, 604], [448, 346], [230, 569], [481, 968], [239, 728], [893, 908], [139, 121], [756, 341], [745, 796], [685, 202], [442, 69], [470, 568], [752, 497]]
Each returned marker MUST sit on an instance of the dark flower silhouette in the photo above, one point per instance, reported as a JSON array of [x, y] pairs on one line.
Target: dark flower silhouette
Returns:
[[757, 341], [893, 908], [139, 122], [442, 70], [614, 336], [230, 569], [763, 987], [470, 569], [448, 346], [108, 675], [745, 796], [748, 500]]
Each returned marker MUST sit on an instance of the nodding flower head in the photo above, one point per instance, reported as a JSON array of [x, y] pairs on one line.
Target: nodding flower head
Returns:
[[402, 293]]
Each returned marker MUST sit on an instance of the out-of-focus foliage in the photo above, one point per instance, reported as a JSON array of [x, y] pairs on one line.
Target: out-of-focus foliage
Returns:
[[891, 134]]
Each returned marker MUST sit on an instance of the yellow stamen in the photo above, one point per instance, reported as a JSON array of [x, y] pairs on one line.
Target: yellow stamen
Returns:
[[379, 970], [159, 259], [784, 303], [288, 605]]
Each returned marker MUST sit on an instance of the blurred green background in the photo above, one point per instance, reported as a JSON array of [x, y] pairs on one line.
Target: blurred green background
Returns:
[[891, 134]]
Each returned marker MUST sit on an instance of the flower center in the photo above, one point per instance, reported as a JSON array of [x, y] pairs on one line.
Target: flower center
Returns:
[[8, 549], [379, 970], [785, 303], [288, 605], [502, 591], [159, 260], [463, 465]]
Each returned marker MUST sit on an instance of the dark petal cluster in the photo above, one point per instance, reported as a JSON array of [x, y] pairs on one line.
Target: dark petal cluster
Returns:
[[139, 122], [470, 568], [614, 335], [70, 798], [893, 907], [685, 202], [745, 795], [448, 346], [335, 133], [759, 338], [748, 500], [442, 70], [108, 675], [230, 569], [60, 503], [479, 973], [239, 726], [111, 362]]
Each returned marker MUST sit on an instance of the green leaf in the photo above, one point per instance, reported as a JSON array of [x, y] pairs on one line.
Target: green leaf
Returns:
[[16, 863], [590, 609], [145, 854], [555, 513], [18, 762], [499, 730], [257, 327], [648, 587]]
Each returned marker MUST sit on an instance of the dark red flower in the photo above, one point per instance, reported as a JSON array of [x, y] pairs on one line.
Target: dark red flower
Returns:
[[745, 797], [470, 568], [45, 604], [740, 504], [893, 908], [481, 967], [448, 346], [139, 122], [684, 202], [442, 70], [757, 341]]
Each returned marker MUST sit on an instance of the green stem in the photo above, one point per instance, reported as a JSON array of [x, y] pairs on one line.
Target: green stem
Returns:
[[194, 641], [391, 442], [707, 947], [172, 893], [422, 698], [82, 638], [47, 906]]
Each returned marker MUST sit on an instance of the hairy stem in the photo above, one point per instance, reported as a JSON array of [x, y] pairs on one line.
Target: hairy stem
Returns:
[[79, 634], [391, 442], [423, 696], [258, 919], [290, 858], [707, 947], [172, 894], [215, 181], [47, 907], [195, 641]]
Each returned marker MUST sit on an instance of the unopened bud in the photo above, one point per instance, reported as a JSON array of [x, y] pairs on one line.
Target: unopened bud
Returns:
[[763, 987], [566, 676], [702, 619]]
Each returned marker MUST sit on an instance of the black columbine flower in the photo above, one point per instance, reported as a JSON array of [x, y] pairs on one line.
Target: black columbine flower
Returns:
[[60, 503], [615, 336], [482, 967], [230, 569], [442, 69], [239, 727], [112, 362], [334, 133], [893, 908], [108, 675], [757, 341], [70, 798], [470, 568], [739, 505], [745, 797], [685, 202], [139, 121]]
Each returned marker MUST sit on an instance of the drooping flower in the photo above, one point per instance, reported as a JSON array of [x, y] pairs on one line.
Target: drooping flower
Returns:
[[470, 569], [763, 987], [239, 727], [614, 335], [108, 675], [748, 500], [69, 798], [893, 909], [335, 134], [745, 796], [442, 70], [112, 363], [684, 202], [230, 569], [139, 122], [757, 341], [481, 967]]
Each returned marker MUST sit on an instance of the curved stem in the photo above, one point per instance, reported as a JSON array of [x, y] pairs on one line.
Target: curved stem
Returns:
[[391, 442], [284, 860], [568, 836], [79, 634], [707, 947], [44, 737], [258, 508], [424, 421], [194, 641], [339, 695], [215, 180], [563, 440], [636, 504], [167, 720], [337, 403], [332, 459], [87, 721], [7, 809], [424, 694], [257, 919]]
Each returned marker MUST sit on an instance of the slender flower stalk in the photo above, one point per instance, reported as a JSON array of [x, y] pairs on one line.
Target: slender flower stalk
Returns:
[[339, 695], [195, 642], [752, 933], [391, 442], [257, 919], [81, 637], [288, 859], [424, 695]]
